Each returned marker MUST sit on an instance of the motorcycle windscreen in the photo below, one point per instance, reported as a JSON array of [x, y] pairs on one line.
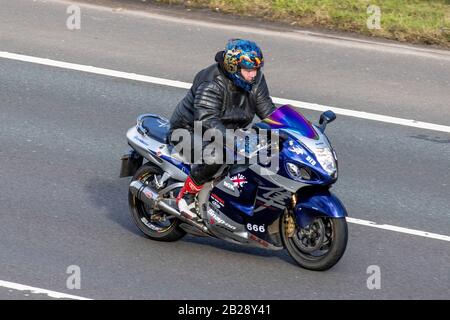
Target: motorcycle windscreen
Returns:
[[286, 117]]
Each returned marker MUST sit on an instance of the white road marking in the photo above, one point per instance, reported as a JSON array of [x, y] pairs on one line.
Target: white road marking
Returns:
[[300, 104], [399, 229], [95, 70], [59, 295], [33, 290], [187, 85]]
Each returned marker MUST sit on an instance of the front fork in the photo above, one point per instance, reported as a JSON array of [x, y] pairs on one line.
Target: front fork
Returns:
[[289, 218]]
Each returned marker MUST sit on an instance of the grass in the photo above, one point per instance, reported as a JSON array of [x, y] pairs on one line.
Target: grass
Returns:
[[414, 21]]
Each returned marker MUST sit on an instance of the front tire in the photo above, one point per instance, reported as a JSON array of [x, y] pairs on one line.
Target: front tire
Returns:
[[154, 224], [318, 246]]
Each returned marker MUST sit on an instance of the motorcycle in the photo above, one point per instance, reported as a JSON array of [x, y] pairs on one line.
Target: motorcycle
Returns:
[[291, 208]]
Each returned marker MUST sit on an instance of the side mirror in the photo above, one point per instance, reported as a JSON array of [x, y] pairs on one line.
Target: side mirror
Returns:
[[325, 118]]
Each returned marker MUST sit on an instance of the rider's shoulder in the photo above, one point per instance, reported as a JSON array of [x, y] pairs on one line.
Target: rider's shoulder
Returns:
[[210, 86]]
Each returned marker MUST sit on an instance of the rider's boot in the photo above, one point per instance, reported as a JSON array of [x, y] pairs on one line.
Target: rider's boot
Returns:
[[186, 199]]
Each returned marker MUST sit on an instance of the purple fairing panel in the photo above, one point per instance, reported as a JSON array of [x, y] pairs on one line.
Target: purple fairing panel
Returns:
[[286, 117]]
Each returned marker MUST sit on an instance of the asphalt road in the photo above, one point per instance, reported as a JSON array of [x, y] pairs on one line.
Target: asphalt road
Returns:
[[62, 133]]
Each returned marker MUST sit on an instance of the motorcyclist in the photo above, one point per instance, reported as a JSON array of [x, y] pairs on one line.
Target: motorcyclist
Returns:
[[226, 95]]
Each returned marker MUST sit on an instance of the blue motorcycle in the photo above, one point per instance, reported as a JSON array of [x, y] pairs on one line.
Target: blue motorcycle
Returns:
[[290, 208]]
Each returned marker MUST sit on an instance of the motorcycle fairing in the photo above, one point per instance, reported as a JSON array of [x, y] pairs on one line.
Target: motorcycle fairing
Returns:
[[258, 203], [314, 202]]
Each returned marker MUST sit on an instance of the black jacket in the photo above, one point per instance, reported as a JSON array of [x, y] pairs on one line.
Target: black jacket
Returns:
[[218, 103]]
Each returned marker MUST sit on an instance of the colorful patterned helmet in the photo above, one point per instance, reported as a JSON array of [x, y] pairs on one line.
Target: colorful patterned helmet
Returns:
[[241, 54]]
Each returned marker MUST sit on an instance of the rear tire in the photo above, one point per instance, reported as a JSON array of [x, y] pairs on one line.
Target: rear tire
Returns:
[[144, 216], [321, 251]]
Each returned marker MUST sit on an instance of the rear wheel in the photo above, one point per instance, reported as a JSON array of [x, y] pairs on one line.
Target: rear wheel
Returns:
[[155, 224], [318, 246]]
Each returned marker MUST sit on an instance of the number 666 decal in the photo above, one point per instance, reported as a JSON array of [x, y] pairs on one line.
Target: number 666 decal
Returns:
[[256, 228]]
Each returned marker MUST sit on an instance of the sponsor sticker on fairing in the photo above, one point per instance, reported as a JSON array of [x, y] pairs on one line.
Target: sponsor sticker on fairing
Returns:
[[239, 180], [215, 219]]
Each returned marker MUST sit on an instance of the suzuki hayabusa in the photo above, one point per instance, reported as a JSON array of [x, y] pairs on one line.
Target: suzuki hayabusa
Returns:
[[292, 208]]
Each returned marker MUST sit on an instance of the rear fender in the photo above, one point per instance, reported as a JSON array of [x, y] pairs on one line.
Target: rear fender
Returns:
[[131, 162]]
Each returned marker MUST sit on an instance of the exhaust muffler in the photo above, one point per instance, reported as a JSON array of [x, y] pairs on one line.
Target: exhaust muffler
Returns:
[[151, 197]]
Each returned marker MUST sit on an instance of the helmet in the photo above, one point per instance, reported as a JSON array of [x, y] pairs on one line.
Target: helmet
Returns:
[[241, 54]]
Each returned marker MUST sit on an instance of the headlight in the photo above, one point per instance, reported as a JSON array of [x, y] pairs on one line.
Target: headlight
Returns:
[[297, 172], [326, 160]]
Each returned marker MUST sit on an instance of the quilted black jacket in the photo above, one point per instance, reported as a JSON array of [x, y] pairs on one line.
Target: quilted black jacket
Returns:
[[218, 103]]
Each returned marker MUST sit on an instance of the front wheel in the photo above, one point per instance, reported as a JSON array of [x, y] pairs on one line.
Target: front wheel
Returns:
[[318, 246]]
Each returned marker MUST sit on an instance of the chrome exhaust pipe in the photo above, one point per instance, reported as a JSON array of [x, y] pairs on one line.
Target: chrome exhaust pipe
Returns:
[[151, 197], [143, 192]]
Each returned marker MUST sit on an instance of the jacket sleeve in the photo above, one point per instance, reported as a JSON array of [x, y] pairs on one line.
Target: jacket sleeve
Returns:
[[264, 104], [208, 106]]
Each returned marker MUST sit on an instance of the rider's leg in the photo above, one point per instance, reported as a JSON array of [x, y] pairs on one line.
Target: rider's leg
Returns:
[[200, 174]]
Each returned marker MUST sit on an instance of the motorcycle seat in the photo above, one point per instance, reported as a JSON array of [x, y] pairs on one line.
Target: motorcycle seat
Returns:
[[156, 127]]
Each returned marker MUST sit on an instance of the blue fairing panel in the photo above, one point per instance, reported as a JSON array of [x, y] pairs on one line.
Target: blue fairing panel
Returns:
[[317, 202]]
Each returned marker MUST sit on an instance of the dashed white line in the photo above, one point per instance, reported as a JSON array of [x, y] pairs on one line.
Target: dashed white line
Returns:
[[60, 295], [186, 85], [34, 290], [399, 229]]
